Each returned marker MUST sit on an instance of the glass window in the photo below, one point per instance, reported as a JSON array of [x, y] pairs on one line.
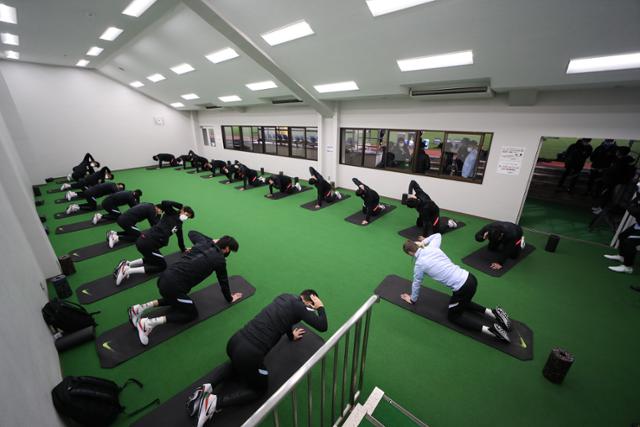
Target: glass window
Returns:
[[227, 135], [250, 139], [375, 149], [351, 153], [401, 147], [312, 143], [429, 153], [269, 139], [297, 142], [282, 141], [460, 155], [205, 136]]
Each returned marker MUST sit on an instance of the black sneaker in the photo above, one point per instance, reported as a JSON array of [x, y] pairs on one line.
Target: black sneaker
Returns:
[[502, 317], [115, 271], [499, 332]]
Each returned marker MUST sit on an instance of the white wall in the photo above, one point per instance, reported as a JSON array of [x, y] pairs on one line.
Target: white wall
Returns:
[[595, 113], [258, 116], [67, 112]]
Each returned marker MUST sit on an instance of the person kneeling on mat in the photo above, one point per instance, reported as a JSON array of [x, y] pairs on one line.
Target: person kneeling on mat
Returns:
[[86, 167], [628, 240], [128, 220], [95, 178], [149, 243], [223, 168], [432, 261], [248, 348], [165, 157], [325, 191], [196, 264], [248, 176], [428, 211], [371, 199], [283, 184], [93, 193], [113, 202], [200, 163], [506, 240]]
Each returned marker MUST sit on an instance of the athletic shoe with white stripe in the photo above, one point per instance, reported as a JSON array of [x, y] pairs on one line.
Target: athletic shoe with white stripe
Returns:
[[96, 218], [70, 195], [72, 209], [207, 408], [195, 400], [452, 224], [622, 269], [615, 257], [135, 313], [65, 186], [338, 195], [298, 187], [123, 272], [499, 332], [112, 238], [144, 327], [502, 317]]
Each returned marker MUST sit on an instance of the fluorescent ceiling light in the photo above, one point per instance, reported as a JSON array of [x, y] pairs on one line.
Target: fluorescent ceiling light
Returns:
[[230, 98], [452, 59], [82, 63], [604, 63], [222, 55], [336, 87], [138, 7], [8, 14], [288, 33], [382, 7], [8, 38], [182, 68], [95, 51], [155, 77], [111, 33], [262, 85], [189, 96], [177, 104], [136, 84], [11, 54]]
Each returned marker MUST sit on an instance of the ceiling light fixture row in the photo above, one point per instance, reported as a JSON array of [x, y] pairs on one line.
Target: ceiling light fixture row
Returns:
[[9, 15]]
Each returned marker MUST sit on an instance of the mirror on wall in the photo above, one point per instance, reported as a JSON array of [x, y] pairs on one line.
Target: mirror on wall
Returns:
[[581, 187]]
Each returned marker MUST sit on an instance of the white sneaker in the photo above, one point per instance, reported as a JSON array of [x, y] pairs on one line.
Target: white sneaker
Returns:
[[144, 327], [96, 218], [69, 195], [522, 243], [72, 208], [135, 314], [65, 186], [615, 257], [298, 186], [452, 224], [622, 269], [382, 207], [195, 400], [123, 273], [261, 179], [338, 195], [69, 177], [112, 239], [207, 408]]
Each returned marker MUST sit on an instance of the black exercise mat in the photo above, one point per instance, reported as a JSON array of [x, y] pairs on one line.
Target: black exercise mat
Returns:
[[225, 182], [106, 286], [82, 225], [433, 305], [96, 249], [121, 343], [312, 204], [358, 217], [150, 168], [282, 362], [482, 258], [279, 195], [412, 233], [56, 190], [64, 200], [61, 215], [250, 187], [207, 176]]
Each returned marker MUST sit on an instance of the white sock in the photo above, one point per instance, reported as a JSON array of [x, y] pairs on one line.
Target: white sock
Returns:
[[489, 313], [135, 263], [136, 270], [148, 305], [485, 330], [155, 321]]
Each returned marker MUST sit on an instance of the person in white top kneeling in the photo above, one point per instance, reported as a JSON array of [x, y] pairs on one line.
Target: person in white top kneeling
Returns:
[[432, 261]]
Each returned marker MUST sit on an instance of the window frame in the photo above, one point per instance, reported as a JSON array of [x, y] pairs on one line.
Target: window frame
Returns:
[[277, 131]]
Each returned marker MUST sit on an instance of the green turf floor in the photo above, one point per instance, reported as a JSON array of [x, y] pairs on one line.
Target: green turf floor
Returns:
[[566, 221], [569, 299]]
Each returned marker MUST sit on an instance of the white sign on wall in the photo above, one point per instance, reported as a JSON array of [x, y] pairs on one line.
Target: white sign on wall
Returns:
[[510, 161]]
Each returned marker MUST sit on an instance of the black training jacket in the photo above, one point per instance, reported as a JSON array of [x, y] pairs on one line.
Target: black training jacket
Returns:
[[120, 198], [278, 318], [168, 225], [139, 213], [100, 190], [280, 182]]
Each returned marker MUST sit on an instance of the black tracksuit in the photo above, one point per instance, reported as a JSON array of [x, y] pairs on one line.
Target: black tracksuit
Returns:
[[248, 347], [370, 198], [248, 176], [92, 194], [194, 266], [91, 180], [282, 183], [603, 157], [199, 162], [113, 202], [84, 168], [575, 157], [504, 239], [323, 188], [166, 157], [185, 158], [149, 243], [222, 167], [131, 217], [629, 239], [620, 172], [428, 211]]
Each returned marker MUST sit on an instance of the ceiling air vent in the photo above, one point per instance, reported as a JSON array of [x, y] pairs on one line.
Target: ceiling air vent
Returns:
[[208, 106], [456, 90], [279, 101]]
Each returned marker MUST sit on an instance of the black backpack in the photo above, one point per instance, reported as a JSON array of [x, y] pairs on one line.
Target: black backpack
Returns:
[[91, 401], [67, 316]]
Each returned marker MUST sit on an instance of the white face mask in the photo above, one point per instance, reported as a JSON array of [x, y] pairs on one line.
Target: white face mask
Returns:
[[183, 217]]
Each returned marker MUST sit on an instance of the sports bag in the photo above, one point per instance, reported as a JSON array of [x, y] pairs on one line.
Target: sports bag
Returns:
[[92, 401], [67, 316]]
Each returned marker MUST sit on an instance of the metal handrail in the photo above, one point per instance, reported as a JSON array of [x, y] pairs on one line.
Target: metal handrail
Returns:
[[289, 386]]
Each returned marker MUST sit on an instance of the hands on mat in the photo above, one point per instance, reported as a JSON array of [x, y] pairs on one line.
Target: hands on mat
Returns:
[[496, 266], [235, 297]]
